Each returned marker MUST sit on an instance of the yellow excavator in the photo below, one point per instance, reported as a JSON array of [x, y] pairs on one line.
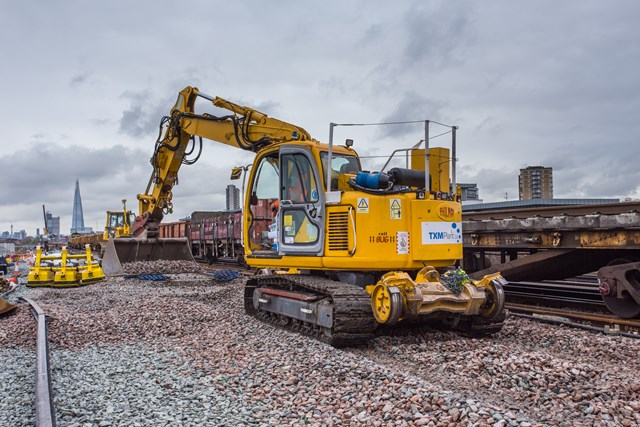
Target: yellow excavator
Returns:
[[118, 223], [358, 249]]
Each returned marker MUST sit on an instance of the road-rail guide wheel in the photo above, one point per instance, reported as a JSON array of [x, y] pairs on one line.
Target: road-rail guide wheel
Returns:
[[386, 303], [494, 304]]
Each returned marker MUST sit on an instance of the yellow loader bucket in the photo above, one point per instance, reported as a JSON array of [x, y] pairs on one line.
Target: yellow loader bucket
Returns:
[[123, 250]]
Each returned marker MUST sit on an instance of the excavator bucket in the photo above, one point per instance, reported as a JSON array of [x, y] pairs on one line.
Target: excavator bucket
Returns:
[[124, 250], [6, 306]]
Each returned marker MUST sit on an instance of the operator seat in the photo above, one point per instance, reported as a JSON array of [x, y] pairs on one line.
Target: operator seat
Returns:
[[348, 168]]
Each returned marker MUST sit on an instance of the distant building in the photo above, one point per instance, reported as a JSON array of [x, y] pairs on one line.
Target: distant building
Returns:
[[53, 224], [469, 192], [19, 235], [535, 182], [233, 198]]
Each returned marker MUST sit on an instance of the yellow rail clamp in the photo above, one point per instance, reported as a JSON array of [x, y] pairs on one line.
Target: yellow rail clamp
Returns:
[[39, 275], [92, 272], [65, 275]]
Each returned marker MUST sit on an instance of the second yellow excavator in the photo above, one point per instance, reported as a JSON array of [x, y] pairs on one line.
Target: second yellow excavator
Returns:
[[360, 249]]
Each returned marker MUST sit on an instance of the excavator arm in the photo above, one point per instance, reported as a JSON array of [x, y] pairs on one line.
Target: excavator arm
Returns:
[[243, 127]]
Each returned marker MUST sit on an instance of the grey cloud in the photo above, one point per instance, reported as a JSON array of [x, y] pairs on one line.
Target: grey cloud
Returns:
[[588, 170], [547, 83], [269, 107], [79, 79], [101, 122], [43, 169], [142, 117], [136, 120], [435, 33], [46, 173], [332, 84], [412, 106], [493, 184], [372, 34]]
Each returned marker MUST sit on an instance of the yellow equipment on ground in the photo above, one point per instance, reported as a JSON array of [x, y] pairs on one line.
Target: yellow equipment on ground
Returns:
[[45, 272], [368, 249]]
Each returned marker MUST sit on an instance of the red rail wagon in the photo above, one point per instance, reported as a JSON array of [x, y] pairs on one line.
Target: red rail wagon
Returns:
[[174, 229]]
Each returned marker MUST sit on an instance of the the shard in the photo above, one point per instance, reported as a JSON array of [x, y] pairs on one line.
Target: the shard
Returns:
[[77, 219]]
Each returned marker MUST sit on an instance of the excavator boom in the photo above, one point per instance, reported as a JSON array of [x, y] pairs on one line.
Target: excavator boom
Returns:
[[241, 127]]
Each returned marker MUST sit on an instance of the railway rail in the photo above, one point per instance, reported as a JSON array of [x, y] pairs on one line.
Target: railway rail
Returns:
[[581, 292], [45, 415], [598, 322], [574, 302]]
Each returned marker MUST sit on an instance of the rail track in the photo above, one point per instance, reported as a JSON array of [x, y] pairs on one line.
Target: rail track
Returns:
[[581, 291], [573, 302], [45, 414], [598, 322]]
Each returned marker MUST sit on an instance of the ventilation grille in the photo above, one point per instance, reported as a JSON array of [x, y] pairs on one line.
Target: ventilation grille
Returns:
[[338, 231]]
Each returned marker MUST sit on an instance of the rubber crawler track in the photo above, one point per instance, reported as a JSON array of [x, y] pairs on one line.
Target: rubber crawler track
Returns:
[[353, 321]]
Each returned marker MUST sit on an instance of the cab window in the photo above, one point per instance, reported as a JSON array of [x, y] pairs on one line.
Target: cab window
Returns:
[[263, 204], [340, 163], [299, 183]]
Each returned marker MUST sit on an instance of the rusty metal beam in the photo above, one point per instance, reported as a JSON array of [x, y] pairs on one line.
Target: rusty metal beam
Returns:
[[551, 264], [560, 239], [571, 210]]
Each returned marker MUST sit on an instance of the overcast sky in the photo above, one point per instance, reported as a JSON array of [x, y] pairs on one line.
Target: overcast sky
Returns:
[[85, 84]]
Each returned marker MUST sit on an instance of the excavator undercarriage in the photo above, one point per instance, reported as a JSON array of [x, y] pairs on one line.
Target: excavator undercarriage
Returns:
[[343, 314]]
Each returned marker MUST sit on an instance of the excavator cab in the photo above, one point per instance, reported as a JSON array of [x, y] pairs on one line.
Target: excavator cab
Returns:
[[286, 204], [301, 218]]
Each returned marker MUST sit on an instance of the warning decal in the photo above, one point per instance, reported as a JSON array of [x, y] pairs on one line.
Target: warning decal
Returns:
[[402, 242], [363, 205], [395, 209]]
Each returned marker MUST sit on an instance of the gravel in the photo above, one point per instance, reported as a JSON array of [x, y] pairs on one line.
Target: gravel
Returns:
[[136, 386], [182, 352], [17, 386], [160, 266]]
